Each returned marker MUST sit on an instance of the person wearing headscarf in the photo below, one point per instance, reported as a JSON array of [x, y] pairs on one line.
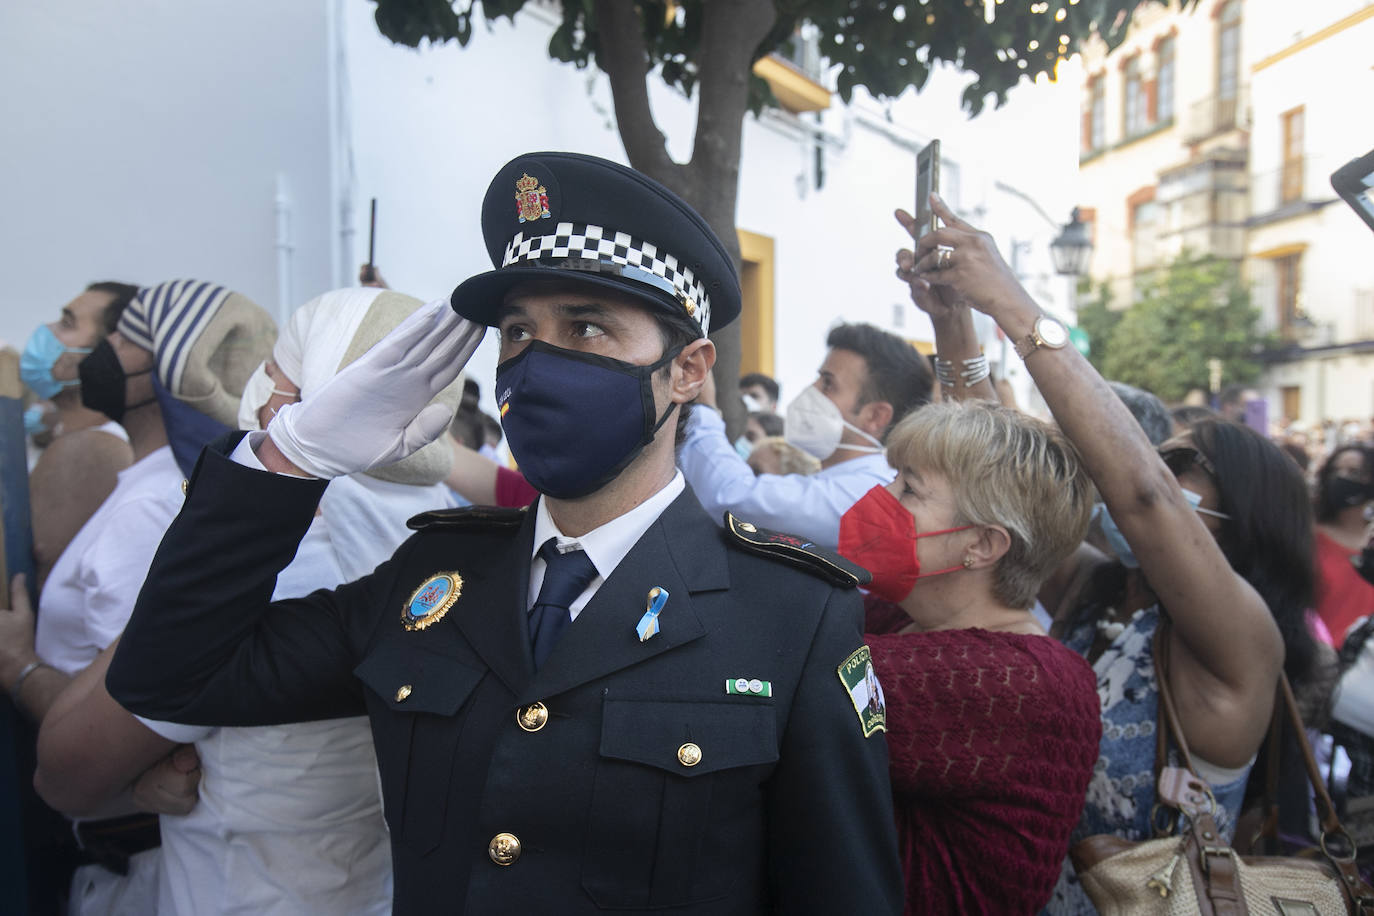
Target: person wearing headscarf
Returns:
[[171, 374], [300, 802]]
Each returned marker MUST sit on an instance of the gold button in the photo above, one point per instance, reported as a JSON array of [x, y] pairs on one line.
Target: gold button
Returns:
[[689, 755], [185, 485], [402, 692], [745, 526], [504, 848], [533, 717]]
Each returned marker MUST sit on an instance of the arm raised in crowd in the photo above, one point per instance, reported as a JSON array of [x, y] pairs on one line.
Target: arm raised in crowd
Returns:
[[1226, 646]]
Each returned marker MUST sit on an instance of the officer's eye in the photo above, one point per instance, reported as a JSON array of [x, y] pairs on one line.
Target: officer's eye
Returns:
[[514, 333], [586, 329]]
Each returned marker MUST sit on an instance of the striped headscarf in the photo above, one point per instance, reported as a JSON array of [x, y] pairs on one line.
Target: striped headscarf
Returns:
[[205, 340]]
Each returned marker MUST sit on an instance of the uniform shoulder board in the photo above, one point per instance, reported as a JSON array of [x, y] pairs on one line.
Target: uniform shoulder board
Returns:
[[796, 551], [468, 517]]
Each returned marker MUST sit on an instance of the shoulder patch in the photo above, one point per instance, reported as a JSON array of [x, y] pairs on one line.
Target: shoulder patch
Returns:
[[795, 551], [468, 517]]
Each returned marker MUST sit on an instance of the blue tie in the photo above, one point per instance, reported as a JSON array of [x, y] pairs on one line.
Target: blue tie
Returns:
[[566, 575]]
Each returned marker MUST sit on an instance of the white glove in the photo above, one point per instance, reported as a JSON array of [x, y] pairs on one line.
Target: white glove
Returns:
[[376, 411]]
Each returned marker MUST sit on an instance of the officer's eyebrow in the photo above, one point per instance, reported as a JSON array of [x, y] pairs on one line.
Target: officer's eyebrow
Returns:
[[587, 311]]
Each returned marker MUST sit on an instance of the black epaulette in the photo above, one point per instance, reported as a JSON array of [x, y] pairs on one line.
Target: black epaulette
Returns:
[[492, 517], [798, 552]]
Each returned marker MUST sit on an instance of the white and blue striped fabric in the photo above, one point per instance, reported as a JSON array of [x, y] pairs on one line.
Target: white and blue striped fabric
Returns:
[[168, 319]]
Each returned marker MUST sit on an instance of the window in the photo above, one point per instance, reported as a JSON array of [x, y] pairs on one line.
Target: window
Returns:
[[1144, 235], [1287, 277], [1290, 182], [1133, 113], [1164, 81], [1094, 133], [1228, 63]]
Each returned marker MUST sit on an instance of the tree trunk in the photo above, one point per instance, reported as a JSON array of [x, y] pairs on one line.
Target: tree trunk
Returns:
[[731, 33]]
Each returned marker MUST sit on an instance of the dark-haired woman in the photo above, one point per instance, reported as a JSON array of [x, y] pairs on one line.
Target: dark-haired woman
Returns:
[[1215, 537], [1345, 486]]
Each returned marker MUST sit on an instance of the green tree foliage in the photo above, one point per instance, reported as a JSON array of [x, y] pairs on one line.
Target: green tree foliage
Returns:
[[1195, 310], [1098, 319], [882, 45]]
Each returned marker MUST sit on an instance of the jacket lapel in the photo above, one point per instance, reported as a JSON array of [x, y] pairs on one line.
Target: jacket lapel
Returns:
[[681, 552], [491, 610]]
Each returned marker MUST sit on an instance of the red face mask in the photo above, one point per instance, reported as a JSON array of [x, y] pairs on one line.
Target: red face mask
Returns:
[[880, 535]]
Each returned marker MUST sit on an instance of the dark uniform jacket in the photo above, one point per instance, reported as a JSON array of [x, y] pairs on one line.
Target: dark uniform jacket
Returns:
[[787, 809]]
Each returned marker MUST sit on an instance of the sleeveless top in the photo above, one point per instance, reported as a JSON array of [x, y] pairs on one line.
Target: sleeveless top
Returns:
[[1122, 791]]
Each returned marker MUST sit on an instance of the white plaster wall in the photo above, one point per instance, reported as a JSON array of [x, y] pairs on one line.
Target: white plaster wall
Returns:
[[143, 143]]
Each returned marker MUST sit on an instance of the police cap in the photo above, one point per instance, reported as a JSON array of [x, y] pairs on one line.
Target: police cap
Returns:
[[592, 221]]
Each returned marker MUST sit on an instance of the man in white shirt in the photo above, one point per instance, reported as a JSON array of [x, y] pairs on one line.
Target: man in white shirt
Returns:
[[869, 380], [85, 450], [606, 703], [138, 376]]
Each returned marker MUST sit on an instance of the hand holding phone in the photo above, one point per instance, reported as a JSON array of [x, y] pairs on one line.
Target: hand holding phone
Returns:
[[927, 183]]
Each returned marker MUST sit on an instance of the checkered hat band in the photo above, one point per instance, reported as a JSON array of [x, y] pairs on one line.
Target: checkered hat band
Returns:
[[570, 242]]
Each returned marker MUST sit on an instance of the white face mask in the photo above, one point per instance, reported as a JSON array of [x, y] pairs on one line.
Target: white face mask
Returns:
[[815, 425], [257, 391]]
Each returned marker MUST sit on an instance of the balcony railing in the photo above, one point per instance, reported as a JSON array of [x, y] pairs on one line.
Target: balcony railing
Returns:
[[1291, 188], [1215, 114]]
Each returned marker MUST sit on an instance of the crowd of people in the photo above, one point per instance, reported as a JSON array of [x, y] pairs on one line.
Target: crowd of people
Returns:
[[304, 643]]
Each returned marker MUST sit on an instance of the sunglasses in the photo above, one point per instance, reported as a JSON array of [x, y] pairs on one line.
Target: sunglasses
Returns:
[[1183, 458]]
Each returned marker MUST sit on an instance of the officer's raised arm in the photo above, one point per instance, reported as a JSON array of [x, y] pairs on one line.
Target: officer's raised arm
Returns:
[[200, 646]]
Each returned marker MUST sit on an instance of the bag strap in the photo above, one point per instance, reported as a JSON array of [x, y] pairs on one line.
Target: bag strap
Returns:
[[1212, 861], [1336, 844]]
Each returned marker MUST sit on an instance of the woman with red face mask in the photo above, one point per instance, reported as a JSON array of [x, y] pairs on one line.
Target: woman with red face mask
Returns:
[[993, 727], [1212, 536]]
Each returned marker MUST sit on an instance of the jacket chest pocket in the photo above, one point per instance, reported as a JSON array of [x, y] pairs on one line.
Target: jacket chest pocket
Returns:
[[677, 805], [417, 710]]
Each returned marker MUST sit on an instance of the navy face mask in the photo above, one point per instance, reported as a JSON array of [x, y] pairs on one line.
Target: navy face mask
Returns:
[[575, 420]]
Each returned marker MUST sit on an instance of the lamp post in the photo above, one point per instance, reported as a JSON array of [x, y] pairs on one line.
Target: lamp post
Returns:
[[1072, 249]]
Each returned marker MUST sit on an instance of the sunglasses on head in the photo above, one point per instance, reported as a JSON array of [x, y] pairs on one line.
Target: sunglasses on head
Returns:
[[1182, 458]]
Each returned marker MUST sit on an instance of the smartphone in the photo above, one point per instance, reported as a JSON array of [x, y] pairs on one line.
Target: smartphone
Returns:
[[927, 183], [1354, 181]]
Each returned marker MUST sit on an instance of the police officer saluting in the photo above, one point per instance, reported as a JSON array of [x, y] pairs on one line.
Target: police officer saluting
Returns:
[[603, 703]]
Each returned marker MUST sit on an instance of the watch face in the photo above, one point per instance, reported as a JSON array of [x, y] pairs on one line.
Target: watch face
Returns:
[[1052, 332]]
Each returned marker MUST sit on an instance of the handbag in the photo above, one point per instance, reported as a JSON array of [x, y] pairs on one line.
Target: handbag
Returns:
[[1195, 871]]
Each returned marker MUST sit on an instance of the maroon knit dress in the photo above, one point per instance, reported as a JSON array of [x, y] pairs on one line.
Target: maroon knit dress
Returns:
[[992, 739]]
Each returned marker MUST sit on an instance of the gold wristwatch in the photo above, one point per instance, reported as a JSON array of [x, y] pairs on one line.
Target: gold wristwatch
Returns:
[[1047, 332]]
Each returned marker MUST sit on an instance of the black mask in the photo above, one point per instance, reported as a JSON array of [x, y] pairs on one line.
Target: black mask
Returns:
[[103, 382], [1342, 492]]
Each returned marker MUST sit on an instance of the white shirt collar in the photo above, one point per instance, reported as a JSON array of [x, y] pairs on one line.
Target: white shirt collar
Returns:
[[607, 545]]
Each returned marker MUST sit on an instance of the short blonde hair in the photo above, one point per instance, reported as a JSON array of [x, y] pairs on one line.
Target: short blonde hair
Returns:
[[1006, 469]]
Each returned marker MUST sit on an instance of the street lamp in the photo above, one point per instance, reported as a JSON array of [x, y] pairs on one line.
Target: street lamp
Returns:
[[1072, 249]]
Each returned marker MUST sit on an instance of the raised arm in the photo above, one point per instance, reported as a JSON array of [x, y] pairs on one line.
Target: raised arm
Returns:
[[1228, 650]]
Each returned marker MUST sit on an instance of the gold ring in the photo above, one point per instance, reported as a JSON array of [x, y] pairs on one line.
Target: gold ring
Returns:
[[942, 256]]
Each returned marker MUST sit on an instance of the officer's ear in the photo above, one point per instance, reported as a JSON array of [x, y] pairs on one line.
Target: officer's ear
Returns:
[[690, 369]]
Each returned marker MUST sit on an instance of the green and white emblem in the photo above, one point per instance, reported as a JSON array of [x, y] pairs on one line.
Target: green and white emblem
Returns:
[[858, 677]]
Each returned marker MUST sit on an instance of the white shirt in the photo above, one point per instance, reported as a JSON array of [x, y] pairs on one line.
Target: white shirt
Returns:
[[606, 546], [289, 821], [807, 505], [91, 590]]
